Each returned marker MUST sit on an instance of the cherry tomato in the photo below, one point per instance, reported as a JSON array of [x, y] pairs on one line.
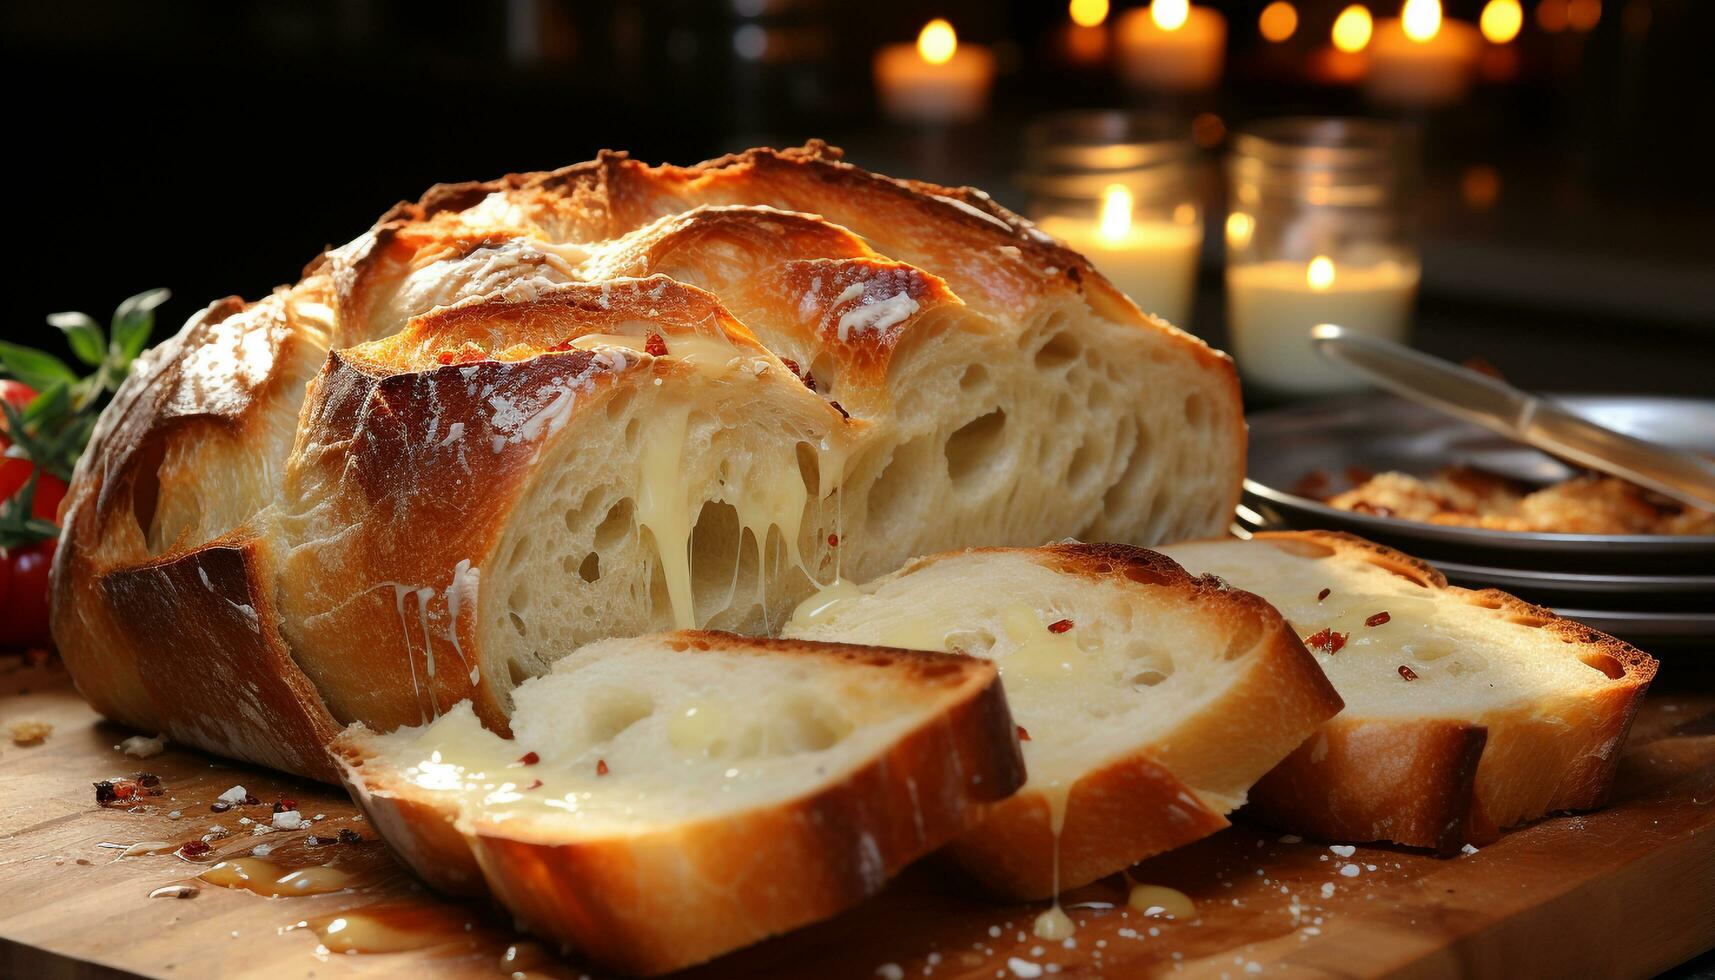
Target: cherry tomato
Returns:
[[24, 594], [14, 473]]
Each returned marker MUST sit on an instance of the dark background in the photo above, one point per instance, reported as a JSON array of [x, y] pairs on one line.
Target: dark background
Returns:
[[216, 147]]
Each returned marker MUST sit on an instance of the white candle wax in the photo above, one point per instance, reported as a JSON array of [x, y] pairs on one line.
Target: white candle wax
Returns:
[[1184, 57], [1271, 307], [1433, 71], [1153, 262], [936, 80]]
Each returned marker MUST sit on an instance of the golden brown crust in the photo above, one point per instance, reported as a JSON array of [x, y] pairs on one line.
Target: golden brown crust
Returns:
[[1559, 756], [216, 670], [1421, 796], [218, 394], [1114, 817], [677, 895]]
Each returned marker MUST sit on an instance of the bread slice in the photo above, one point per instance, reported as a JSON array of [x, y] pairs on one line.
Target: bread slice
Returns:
[[697, 791], [1152, 698], [1466, 712]]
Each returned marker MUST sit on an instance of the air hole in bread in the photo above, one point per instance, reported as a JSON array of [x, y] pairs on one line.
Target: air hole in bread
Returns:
[[976, 376], [972, 643], [1126, 490], [718, 564], [975, 448], [633, 434], [1523, 619], [610, 712], [590, 569], [1608, 665], [1058, 351], [898, 489], [146, 490], [519, 600], [517, 622], [519, 673], [1196, 410], [1245, 635], [827, 373], [1148, 677], [1303, 548], [620, 402], [1486, 602], [615, 526], [810, 469], [1085, 467]]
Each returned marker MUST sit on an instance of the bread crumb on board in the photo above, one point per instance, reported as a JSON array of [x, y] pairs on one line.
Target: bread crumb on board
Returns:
[[29, 732]]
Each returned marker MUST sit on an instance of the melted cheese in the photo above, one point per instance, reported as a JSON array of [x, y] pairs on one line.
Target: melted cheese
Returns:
[[273, 880], [1161, 900]]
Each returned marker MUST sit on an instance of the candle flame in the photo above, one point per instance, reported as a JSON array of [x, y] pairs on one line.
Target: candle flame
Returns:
[[937, 42], [1352, 29], [1116, 212], [1501, 20], [1239, 228], [1320, 274], [1169, 15], [1421, 19], [1279, 21], [1088, 13]]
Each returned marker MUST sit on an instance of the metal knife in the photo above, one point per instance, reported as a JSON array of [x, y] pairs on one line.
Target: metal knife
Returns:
[[1532, 419]]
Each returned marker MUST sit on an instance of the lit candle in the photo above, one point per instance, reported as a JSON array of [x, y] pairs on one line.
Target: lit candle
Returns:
[[1271, 307], [1421, 59], [937, 80], [1086, 38], [1171, 45], [1153, 262]]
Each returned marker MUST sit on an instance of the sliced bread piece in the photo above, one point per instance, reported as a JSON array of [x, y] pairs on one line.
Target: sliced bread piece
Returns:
[[1466, 712], [1152, 699], [669, 798]]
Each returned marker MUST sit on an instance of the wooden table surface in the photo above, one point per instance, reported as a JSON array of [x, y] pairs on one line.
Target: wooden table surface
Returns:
[[1627, 891]]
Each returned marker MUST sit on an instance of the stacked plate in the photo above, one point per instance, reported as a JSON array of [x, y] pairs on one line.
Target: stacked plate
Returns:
[[1657, 591]]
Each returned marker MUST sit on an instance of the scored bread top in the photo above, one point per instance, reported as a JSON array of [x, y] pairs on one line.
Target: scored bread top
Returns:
[[612, 399]]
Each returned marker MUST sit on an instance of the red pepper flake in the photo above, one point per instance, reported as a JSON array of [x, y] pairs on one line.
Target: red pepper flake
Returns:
[[1323, 594], [810, 380], [147, 778], [1326, 640], [534, 784], [220, 806], [282, 805], [601, 767], [529, 759], [1407, 672], [444, 357], [843, 413], [833, 541], [1060, 626], [654, 345], [1378, 619], [104, 793], [124, 789], [1023, 734], [349, 836], [194, 849]]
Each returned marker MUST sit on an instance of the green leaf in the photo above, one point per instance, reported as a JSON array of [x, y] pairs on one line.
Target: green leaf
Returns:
[[49, 402], [134, 321], [83, 334], [35, 368]]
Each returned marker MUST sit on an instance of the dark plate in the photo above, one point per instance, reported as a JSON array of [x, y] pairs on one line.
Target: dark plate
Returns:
[[1377, 432]]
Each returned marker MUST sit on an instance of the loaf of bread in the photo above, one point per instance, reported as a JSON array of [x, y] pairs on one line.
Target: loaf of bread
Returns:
[[521, 415], [1152, 699], [1466, 712], [669, 798]]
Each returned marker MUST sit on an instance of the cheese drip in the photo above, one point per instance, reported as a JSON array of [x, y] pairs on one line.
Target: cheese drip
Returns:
[[765, 488]]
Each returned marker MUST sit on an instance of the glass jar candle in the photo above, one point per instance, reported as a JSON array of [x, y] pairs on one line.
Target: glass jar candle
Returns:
[[1119, 188], [1318, 231]]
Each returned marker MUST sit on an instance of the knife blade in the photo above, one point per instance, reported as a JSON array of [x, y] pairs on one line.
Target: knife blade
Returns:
[[1531, 419]]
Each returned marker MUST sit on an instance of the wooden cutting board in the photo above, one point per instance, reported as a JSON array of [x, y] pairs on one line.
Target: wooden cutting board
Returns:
[[1626, 891]]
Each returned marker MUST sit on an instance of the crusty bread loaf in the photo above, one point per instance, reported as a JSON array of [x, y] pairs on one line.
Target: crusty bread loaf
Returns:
[[1153, 699], [1466, 712], [669, 798], [602, 401]]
